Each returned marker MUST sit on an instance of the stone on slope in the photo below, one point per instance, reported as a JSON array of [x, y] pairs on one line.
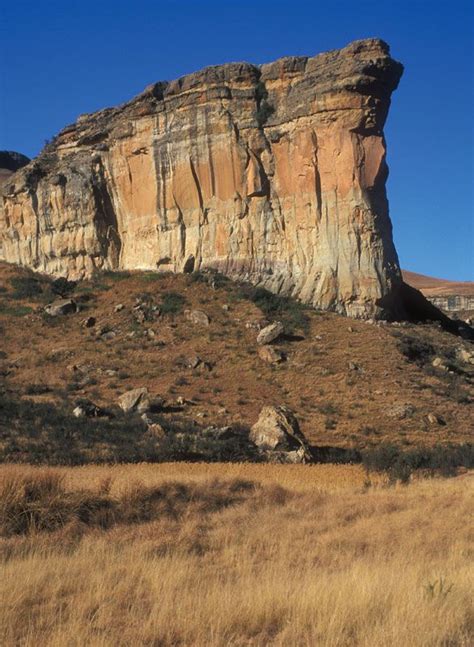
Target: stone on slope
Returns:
[[272, 174], [197, 317], [270, 355], [270, 333], [277, 430], [61, 307], [135, 400]]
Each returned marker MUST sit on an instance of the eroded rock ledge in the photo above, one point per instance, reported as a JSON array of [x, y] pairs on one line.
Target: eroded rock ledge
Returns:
[[274, 174]]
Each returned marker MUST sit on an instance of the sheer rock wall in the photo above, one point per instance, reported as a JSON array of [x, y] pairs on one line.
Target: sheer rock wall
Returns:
[[274, 174]]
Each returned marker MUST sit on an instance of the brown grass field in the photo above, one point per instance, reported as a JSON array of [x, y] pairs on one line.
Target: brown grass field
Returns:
[[234, 554]]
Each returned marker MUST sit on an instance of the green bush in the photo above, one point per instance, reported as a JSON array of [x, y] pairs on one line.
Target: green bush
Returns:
[[172, 303], [26, 287]]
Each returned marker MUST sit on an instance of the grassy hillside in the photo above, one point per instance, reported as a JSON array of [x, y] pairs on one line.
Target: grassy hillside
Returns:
[[352, 385]]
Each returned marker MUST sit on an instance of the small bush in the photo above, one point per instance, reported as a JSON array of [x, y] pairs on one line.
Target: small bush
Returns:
[[26, 287], [416, 350], [172, 303], [62, 287], [400, 464]]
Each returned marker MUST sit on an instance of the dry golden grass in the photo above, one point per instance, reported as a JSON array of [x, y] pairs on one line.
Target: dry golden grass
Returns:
[[308, 556]]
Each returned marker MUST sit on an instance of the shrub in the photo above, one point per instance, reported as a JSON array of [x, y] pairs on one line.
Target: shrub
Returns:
[[63, 287], [26, 287], [443, 459], [172, 303], [416, 350]]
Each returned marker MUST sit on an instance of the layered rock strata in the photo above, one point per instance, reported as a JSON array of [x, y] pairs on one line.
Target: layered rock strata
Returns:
[[274, 174]]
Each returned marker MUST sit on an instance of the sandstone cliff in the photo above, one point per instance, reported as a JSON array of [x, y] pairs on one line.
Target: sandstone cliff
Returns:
[[274, 174]]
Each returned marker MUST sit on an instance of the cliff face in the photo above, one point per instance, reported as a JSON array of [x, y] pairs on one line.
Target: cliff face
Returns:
[[273, 174]]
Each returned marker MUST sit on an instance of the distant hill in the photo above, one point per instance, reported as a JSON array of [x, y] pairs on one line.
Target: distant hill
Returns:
[[432, 287]]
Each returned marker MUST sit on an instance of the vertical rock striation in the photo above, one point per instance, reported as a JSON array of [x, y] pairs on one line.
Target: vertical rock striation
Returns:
[[274, 174]]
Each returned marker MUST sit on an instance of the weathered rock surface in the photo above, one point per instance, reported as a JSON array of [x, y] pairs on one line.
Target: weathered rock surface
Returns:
[[270, 333], [135, 400], [61, 307], [277, 430], [273, 174], [270, 355]]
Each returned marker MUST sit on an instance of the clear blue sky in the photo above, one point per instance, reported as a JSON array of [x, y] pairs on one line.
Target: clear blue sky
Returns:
[[59, 59]]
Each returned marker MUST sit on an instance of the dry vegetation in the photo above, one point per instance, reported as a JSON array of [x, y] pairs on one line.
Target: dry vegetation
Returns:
[[345, 380], [179, 554]]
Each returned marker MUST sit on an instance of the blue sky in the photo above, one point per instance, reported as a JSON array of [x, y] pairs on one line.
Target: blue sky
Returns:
[[59, 59]]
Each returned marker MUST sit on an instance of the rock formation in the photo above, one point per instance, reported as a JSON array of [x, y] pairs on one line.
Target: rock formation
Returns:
[[11, 161], [274, 174]]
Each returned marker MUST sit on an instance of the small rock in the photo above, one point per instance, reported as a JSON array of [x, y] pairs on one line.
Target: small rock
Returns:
[[135, 400], [156, 430], [270, 355], [226, 307], [89, 322], [197, 317], [61, 307], [87, 409], [257, 324], [270, 333], [440, 363], [401, 411], [350, 329], [353, 366], [434, 419], [119, 307], [109, 335], [193, 361], [465, 355]]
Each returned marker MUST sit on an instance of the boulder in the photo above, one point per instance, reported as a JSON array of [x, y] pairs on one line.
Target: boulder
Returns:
[[270, 355], [135, 400], [277, 429], [401, 411], [87, 409], [270, 333], [197, 317], [61, 307]]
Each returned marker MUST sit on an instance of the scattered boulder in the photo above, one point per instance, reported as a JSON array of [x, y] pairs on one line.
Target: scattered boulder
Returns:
[[194, 361], [197, 317], [61, 307], [257, 324], [156, 430], [135, 400], [465, 355], [87, 409], [270, 333], [401, 411], [270, 355], [277, 430], [119, 307], [440, 363], [89, 322], [434, 419]]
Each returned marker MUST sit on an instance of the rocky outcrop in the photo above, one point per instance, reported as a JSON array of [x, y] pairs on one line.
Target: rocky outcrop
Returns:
[[274, 174], [11, 161]]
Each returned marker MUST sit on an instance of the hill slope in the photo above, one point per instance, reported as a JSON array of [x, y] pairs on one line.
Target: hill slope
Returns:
[[432, 287], [351, 384]]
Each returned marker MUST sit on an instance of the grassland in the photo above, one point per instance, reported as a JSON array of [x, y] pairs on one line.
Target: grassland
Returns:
[[197, 554]]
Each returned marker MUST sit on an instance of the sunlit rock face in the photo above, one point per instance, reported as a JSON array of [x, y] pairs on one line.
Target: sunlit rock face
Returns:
[[274, 174]]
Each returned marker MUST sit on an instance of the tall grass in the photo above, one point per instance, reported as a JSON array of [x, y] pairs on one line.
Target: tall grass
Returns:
[[231, 563]]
